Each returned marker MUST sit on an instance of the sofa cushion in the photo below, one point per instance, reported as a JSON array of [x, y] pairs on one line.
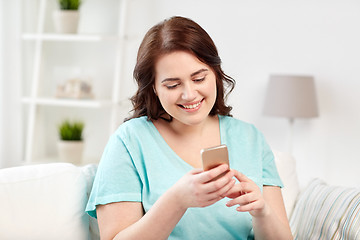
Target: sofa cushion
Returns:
[[327, 212], [43, 202], [89, 172], [286, 166]]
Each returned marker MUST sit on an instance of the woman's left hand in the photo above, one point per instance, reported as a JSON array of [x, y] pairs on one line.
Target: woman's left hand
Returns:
[[248, 196]]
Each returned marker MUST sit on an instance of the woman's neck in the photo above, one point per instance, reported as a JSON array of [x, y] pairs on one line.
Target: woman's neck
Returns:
[[187, 140], [197, 130]]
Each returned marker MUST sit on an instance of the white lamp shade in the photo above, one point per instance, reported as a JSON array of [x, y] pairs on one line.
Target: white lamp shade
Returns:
[[291, 97]]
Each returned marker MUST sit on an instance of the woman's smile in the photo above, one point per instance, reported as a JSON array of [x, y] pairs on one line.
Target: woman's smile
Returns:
[[191, 107]]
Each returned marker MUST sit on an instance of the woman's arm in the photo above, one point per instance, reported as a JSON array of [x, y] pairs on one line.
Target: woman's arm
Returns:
[[123, 214], [125, 220], [267, 208], [273, 223]]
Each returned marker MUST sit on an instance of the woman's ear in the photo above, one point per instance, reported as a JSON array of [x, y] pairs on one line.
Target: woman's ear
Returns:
[[154, 90]]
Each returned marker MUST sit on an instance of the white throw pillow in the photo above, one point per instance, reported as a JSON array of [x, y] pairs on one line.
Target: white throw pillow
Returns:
[[286, 166], [43, 202], [327, 212]]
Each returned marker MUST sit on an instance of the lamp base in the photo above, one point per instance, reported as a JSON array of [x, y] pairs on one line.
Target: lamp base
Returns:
[[291, 135]]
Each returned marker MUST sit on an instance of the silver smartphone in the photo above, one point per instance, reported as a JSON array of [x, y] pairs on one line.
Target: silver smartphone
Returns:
[[213, 157]]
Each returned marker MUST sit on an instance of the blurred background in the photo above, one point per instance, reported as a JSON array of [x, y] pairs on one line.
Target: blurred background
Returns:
[[255, 39]]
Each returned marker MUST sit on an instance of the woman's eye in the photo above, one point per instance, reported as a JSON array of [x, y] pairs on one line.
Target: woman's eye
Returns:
[[172, 86], [199, 79]]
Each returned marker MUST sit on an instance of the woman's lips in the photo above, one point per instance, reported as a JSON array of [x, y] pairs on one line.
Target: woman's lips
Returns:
[[191, 107]]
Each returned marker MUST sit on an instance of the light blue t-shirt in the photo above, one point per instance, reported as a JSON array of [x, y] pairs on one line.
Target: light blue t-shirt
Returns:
[[138, 165]]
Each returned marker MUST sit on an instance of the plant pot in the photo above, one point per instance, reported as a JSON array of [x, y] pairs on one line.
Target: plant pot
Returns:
[[70, 151], [66, 21]]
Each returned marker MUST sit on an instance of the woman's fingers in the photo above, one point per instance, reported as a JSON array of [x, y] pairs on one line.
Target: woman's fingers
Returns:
[[218, 184], [247, 195], [235, 191], [207, 190], [199, 189], [240, 189], [217, 189], [209, 175], [241, 177], [243, 199], [222, 192], [248, 207], [196, 171]]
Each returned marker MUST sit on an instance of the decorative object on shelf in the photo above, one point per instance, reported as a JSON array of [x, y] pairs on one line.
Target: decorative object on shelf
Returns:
[[66, 19], [75, 88], [71, 144], [291, 96]]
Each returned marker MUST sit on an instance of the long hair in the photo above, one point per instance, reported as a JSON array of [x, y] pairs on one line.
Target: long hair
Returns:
[[176, 34]]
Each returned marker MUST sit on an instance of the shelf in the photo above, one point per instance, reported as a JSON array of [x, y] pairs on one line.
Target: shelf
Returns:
[[69, 37], [45, 53], [69, 102]]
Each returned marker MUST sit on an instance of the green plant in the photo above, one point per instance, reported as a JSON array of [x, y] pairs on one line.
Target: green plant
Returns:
[[69, 4], [71, 131]]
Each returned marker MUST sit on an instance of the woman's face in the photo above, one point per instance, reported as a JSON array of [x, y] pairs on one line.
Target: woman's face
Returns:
[[186, 87]]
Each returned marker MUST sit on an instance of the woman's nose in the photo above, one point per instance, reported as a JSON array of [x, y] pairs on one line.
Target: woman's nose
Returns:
[[189, 92]]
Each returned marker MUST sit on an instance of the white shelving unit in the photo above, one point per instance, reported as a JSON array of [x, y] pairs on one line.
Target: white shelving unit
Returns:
[[43, 111]]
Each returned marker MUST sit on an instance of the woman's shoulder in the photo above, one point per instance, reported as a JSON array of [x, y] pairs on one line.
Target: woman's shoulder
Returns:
[[235, 122], [231, 126], [132, 126], [241, 127]]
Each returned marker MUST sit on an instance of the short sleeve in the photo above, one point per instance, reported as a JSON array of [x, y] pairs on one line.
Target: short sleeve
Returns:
[[270, 174], [116, 179]]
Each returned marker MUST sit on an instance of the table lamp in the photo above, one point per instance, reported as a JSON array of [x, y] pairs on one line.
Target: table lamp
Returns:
[[291, 97]]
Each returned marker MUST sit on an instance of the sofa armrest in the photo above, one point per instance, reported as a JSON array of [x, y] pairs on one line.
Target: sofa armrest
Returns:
[[44, 201], [286, 166]]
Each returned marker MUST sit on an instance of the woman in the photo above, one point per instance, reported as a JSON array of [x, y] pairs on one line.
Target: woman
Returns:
[[150, 184]]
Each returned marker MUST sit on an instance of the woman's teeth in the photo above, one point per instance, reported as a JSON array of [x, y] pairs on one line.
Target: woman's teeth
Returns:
[[192, 105]]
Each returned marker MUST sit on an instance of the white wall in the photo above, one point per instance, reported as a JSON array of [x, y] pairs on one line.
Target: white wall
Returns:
[[319, 37], [1, 86], [10, 107], [257, 38]]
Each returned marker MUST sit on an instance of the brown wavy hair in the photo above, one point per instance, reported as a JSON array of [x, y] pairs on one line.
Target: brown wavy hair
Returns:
[[176, 34]]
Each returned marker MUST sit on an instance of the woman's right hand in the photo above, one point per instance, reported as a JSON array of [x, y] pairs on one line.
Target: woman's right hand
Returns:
[[196, 188]]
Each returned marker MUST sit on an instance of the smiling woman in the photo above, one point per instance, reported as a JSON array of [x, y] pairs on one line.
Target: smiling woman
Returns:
[[184, 85], [169, 37], [152, 163]]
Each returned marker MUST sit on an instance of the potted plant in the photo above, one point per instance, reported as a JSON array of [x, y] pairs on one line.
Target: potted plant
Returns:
[[66, 18], [71, 145]]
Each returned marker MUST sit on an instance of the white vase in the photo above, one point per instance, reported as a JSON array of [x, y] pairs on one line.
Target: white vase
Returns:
[[70, 151], [66, 21]]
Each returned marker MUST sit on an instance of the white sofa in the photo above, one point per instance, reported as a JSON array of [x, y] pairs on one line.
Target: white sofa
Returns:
[[319, 211], [47, 202]]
